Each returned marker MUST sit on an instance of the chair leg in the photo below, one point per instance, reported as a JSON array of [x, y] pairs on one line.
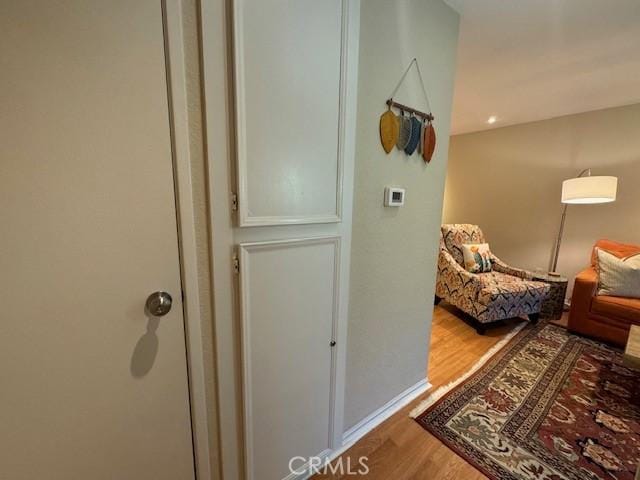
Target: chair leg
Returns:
[[534, 317], [481, 329], [436, 300]]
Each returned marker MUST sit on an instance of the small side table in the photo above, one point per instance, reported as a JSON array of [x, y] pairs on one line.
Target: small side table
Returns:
[[631, 357], [553, 305]]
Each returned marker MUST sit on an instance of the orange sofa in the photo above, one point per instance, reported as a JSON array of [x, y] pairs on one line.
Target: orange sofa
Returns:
[[601, 316]]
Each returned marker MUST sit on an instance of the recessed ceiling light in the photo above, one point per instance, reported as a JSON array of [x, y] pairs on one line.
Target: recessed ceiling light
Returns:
[[491, 120]]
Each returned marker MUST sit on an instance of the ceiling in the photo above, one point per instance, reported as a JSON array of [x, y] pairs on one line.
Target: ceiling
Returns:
[[527, 60]]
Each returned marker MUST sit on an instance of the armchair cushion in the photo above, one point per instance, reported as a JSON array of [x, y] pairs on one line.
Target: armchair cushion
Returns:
[[477, 257], [501, 287], [457, 234]]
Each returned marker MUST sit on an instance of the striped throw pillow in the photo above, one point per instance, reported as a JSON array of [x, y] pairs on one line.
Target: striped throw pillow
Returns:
[[618, 277]]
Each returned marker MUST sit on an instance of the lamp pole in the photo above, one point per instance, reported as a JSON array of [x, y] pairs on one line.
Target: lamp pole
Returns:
[[554, 262]]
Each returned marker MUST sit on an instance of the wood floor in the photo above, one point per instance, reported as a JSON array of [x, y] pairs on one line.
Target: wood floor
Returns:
[[399, 448]]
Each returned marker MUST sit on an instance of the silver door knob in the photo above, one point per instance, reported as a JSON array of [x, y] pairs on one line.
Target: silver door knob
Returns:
[[159, 303]]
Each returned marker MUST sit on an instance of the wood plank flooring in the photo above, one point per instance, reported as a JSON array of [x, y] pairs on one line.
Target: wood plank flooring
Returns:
[[399, 448]]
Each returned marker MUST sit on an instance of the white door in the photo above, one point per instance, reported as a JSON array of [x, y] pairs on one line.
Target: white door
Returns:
[[294, 172], [91, 386]]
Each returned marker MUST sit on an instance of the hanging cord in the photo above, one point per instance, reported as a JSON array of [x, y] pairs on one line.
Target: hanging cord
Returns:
[[424, 91]]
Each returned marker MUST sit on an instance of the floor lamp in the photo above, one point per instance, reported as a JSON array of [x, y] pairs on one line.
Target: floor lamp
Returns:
[[583, 189]]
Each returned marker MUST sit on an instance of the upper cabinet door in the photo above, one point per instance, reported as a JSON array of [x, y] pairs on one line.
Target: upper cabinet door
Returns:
[[289, 70]]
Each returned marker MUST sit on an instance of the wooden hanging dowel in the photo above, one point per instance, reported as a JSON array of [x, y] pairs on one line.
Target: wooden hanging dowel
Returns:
[[404, 108]]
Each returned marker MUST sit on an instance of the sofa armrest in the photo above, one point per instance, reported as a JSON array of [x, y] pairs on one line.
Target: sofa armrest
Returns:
[[502, 267], [586, 285], [584, 289]]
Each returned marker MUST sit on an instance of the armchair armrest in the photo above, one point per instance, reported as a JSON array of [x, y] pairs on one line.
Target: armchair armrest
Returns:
[[455, 279], [502, 267]]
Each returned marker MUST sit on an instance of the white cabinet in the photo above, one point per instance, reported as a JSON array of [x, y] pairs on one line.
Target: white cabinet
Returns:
[[295, 82]]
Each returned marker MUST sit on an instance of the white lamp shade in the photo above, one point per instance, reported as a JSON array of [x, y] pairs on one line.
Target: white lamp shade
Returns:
[[589, 190]]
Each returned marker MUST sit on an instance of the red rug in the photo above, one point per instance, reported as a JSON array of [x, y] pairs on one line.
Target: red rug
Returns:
[[548, 406]]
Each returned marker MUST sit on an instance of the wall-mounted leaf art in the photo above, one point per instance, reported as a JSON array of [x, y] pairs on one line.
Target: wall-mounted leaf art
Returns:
[[405, 132], [408, 130], [389, 129], [428, 142], [416, 136]]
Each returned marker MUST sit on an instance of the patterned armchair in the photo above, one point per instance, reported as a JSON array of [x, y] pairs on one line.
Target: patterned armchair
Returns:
[[504, 292]]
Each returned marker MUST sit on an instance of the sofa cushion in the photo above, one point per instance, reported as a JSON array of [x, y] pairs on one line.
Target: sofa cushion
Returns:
[[619, 307]]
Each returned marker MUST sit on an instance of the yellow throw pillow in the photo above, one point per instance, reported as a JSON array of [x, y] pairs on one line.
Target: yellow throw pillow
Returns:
[[477, 257], [618, 277]]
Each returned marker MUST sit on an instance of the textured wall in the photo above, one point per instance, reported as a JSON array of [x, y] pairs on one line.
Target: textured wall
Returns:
[[509, 181], [394, 249]]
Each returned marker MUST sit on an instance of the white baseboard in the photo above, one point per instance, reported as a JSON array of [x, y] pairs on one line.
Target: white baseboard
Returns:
[[378, 416], [364, 426], [305, 470]]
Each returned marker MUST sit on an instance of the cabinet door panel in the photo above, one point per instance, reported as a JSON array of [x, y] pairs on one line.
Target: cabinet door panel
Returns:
[[289, 314], [288, 61]]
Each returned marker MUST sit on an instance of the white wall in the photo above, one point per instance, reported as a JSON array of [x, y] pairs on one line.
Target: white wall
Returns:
[[394, 250], [509, 181]]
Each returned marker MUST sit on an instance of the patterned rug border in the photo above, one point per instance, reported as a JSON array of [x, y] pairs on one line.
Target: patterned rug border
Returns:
[[488, 362], [511, 340], [440, 392]]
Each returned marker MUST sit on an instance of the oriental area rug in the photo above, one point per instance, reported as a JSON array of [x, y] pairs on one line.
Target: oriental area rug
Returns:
[[549, 405]]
